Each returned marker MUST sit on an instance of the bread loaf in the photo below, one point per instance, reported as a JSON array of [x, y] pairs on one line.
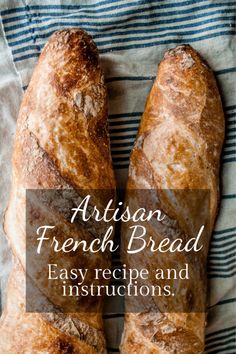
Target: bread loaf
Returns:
[[61, 143], [177, 148]]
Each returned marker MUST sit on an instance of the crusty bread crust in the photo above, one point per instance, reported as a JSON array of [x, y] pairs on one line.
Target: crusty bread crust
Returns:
[[61, 142], [178, 146]]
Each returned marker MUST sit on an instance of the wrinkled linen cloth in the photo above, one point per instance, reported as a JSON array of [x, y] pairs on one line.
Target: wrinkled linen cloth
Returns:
[[132, 37]]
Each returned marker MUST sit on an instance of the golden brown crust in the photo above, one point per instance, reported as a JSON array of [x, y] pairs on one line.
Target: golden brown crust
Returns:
[[178, 147], [33, 333], [61, 142], [63, 116]]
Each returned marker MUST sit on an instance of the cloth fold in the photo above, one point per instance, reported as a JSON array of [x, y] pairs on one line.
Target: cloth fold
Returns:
[[132, 37]]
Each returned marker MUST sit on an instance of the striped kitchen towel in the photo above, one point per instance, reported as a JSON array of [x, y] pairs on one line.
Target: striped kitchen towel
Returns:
[[132, 37]]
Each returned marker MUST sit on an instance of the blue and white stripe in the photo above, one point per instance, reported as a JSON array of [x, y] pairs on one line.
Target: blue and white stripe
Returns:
[[119, 25], [131, 37], [221, 341], [222, 255]]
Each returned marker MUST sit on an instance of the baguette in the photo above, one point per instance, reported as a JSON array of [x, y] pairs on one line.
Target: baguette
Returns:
[[178, 147], [61, 143]]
